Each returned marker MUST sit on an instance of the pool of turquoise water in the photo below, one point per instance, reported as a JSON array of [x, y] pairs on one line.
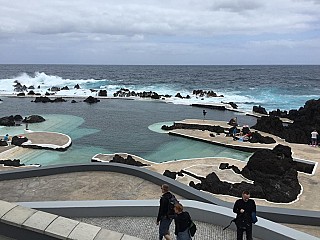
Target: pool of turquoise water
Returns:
[[177, 148]]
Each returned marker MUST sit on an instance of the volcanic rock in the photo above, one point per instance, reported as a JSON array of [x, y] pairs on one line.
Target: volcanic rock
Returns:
[[3, 143], [33, 119], [305, 120], [7, 121], [258, 138], [91, 100], [259, 109], [273, 172], [18, 140], [170, 174], [129, 160], [102, 93], [12, 163]]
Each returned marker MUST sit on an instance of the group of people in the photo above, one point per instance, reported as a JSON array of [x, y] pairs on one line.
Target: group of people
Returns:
[[244, 135], [166, 215], [245, 208]]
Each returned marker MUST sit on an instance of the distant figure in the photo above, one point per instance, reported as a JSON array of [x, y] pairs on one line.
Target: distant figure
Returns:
[[165, 215], [314, 138], [245, 209], [182, 222], [245, 129], [6, 138], [233, 121], [204, 112], [234, 133], [26, 121]]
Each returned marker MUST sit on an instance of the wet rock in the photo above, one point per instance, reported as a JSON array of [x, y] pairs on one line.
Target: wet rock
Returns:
[[91, 100], [259, 109], [33, 119], [102, 93], [7, 121]]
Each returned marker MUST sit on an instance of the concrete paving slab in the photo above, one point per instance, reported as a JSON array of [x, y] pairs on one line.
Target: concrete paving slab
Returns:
[[6, 207], [84, 231], [107, 234], [61, 227], [17, 216], [39, 221], [127, 237]]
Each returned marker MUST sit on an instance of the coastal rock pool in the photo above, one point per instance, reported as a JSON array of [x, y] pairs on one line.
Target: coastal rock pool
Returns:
[[114, 126]]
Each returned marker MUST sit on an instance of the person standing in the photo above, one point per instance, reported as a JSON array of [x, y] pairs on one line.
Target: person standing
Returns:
[[244, 208], [204, 112], [314, 138], [164, 218], [182, 222], [234, 133]]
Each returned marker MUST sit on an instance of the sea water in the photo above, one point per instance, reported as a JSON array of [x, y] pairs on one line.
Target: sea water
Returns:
[[115, 125], [283, 87]]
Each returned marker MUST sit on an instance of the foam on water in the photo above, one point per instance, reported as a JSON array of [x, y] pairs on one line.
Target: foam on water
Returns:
[[273, 87]]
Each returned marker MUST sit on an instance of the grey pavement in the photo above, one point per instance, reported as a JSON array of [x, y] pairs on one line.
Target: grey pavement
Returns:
[[146, 228]]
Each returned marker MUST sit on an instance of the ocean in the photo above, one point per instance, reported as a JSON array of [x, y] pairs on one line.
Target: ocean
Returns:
[[133, 126]]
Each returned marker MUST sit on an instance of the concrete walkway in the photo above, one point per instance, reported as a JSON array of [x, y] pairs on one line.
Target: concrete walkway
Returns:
[[146, 228]]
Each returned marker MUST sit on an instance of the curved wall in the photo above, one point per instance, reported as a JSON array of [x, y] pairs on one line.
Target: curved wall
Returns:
[[280, 215]]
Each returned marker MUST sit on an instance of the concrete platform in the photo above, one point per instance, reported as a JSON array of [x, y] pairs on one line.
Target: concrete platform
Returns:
[[42, 223]]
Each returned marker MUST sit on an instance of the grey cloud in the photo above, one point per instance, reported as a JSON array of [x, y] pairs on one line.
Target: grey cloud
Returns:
[[154, 18]]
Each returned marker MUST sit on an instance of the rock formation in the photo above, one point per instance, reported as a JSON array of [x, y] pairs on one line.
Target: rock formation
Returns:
[[102, 93], [273, 172], [91, 100], [12, 163], [216, 129], [18, 140], [33, 119], [258, 138], [45, 99], [305, 120], [129, 160], [10, 120], [259, 109]]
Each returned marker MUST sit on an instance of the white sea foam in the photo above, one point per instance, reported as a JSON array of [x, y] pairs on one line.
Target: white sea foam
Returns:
[[244, 98]]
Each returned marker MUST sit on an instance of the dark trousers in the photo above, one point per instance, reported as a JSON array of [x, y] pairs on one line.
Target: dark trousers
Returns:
[[248, 231]]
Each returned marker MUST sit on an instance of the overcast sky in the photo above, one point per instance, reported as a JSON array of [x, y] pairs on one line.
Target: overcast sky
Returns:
[[160, 31]]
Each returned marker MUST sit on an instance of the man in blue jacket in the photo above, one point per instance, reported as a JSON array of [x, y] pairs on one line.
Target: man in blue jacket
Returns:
[[244, 208]]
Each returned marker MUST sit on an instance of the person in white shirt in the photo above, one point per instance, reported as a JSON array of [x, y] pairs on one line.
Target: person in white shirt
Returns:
[[314, 138]]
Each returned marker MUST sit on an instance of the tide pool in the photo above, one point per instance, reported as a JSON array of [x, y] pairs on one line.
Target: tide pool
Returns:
[[164, 147]]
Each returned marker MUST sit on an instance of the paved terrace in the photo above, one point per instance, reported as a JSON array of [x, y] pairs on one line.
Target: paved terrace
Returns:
[[41, 140]]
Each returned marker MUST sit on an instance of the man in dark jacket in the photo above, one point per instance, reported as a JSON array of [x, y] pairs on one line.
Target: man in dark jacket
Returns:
[[244, 208], [164, 220]]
